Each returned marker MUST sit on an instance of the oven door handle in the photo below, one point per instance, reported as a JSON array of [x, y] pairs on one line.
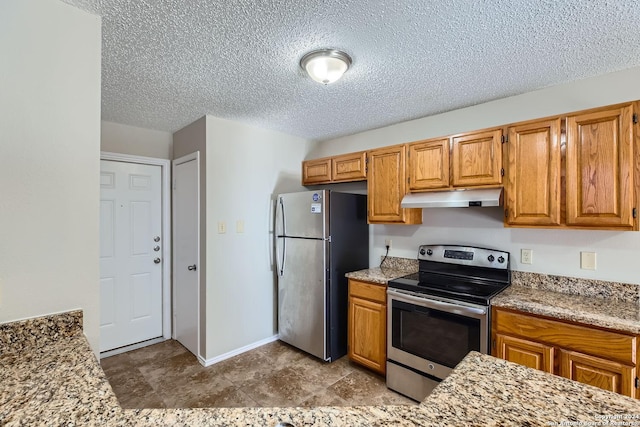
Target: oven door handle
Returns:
[[440, 305]]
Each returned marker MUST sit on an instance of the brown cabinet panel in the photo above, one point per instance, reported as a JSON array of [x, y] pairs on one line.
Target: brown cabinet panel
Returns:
[[600, 168], [367, 325], [598, 372], [316, 171], [476, 158], [612, 345], [428, 164], [386, 187], [533, 173], [349, 167], [370, 291], [601, 358], [524, 352]]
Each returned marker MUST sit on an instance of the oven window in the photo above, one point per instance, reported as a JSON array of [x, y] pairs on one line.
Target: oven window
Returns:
[[441, 337]]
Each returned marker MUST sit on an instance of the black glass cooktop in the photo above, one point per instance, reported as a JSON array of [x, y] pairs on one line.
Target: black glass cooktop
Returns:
[[463, 288]]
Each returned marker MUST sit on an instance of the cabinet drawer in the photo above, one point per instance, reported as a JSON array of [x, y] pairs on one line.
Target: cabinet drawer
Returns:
[[368, 291], [610, 345]]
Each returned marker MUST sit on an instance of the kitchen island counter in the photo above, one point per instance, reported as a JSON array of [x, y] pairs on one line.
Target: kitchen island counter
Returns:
[[56, 380]]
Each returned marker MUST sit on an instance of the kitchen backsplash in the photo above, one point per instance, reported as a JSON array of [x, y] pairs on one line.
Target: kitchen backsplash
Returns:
[[39, 331], [403, 264], [577, 286]]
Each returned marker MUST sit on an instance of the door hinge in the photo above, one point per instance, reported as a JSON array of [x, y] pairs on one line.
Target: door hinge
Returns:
[[493, 344], [506, 213], [408, 180], [637, 382], [635, 117], [634, 212], [502, 172]]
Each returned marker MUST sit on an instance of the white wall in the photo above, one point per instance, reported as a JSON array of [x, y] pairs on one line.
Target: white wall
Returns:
[[246, 168], [555, 251], [125, 139], [49, 161]]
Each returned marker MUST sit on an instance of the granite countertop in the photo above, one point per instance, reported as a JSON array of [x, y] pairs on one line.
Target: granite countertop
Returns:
[[50, 376], [612, 313], [391, 268]]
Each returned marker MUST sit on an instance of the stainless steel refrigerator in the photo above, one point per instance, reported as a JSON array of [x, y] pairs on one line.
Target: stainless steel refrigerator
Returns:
[[320, 236]]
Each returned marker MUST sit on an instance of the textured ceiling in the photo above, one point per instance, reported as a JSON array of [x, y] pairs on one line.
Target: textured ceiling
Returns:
[[165, 63]]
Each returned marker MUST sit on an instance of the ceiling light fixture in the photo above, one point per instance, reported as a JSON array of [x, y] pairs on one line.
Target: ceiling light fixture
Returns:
[[325, 65]]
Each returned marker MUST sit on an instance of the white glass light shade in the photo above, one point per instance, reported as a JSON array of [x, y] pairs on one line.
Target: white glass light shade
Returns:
[[325, 66]]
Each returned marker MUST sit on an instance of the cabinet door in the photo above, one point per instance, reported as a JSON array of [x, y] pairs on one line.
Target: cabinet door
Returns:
[[428, 164], [599, 168], [524, 352], [367, 333], [349, 167], [602, 373], [316, 171], [476, 158], [386, 186], [533, 174]]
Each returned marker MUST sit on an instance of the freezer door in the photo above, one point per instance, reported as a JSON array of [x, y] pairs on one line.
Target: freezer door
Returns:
[[302, 309], [303, 214]]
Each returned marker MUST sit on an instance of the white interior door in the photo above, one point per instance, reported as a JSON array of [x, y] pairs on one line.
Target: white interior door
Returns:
[[186, 241], [130, 253]]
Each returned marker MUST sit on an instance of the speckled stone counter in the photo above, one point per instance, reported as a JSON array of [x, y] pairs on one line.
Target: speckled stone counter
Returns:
[[604, 304], [50, 376], [390, 269], [485, 391]]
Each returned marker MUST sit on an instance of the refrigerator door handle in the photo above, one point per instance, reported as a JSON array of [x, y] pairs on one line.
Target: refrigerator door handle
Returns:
[[284, 233], [280, 266]]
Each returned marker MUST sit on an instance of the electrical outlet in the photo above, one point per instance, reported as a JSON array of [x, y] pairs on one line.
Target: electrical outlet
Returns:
[[526, 256], [588, 260], [387, 242], [222, 227]]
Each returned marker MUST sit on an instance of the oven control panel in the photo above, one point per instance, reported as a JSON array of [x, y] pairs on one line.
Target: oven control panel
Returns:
[[465, 255]]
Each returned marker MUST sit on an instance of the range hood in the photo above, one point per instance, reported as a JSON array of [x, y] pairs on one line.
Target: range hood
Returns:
[[462, 198]]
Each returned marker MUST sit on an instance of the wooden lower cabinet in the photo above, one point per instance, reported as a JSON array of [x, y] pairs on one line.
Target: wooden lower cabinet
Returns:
[[367, 328], [524, 352], [601, 358], [598, 372]]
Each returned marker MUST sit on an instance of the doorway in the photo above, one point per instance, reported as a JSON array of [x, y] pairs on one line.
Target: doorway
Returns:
[[135, 252], [186, 253]]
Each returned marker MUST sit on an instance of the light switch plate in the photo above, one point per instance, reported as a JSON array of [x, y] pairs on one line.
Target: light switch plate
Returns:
[[222, 227], [239, 226], [588, 260]]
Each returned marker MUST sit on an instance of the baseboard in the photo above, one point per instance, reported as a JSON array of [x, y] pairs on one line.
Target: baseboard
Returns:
[[230, 354]]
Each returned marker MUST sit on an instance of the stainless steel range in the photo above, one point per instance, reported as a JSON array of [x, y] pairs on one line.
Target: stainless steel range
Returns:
[[440, 314]]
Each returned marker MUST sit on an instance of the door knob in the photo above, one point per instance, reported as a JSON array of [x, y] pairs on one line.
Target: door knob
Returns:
[[157, 248], [156, 239], [191, 267], [156, 261]]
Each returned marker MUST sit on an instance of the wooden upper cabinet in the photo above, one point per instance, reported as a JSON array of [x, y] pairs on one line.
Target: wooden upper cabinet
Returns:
[[316, 171], [428, 164], [349, 167], [386, 186], [533, 173], [600, 181], [476, 158]]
